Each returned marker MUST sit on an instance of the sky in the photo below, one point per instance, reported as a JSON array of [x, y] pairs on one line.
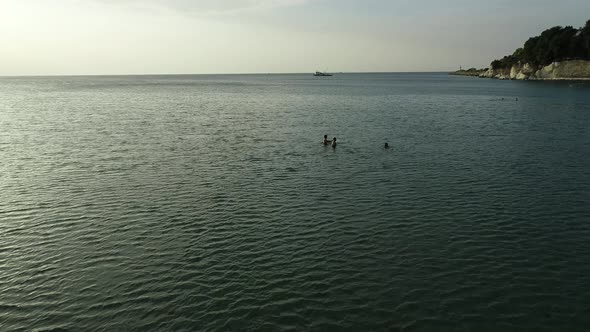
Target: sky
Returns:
[[106, 37]]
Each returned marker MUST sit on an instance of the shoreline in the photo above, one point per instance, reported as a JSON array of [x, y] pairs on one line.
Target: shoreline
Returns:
[[471, 72], [528, 79], [568, 70]]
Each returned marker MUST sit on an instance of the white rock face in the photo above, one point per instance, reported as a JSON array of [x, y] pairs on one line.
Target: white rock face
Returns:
[[547, 71], [565, 70], [527, 69], [489, 73], [514, 71]]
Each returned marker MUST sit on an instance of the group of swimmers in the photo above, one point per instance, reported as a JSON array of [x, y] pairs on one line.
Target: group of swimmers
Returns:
[[325, 141]]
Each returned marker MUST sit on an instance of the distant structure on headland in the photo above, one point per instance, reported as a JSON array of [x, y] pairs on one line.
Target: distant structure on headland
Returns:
[[319, 73]]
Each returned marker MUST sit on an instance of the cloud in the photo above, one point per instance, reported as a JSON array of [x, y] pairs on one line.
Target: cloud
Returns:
[[208, 7]]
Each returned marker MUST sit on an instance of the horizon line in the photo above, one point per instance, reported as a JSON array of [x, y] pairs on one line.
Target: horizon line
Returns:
[[220, 74]]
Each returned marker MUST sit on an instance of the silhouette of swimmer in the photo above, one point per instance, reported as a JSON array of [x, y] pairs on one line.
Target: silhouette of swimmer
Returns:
[[386, 146], [325, 140], [334, 142]]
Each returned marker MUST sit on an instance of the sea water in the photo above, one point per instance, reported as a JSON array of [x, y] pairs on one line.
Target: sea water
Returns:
[[208, 203]]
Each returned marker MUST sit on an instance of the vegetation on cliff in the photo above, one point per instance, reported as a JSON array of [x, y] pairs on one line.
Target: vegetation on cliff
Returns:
[[469, 72], [555, 44]]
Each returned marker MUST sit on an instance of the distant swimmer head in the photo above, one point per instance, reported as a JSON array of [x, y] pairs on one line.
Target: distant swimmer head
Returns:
[[386, 146], [334, 142], [325, 140]]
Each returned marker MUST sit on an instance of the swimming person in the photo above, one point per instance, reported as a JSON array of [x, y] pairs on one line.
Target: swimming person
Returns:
[[334, 142], [386, 146], [325, 140]]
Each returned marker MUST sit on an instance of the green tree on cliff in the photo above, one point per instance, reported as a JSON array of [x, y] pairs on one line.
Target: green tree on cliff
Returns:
[[586, 38], [529, 52], [554, 44]]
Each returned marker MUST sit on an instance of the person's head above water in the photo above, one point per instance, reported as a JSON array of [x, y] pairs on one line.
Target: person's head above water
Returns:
[[334, 139], [386, 146], [325, 136]]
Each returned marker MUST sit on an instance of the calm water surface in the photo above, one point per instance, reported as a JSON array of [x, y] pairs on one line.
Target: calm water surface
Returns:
[[207, 203]]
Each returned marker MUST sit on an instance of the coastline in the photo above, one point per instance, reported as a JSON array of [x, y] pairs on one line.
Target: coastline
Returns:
[[530, 79], [470, 72], [569, 70]]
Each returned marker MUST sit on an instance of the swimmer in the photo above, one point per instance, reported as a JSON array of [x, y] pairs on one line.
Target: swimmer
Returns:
[[334, 142], [325, 140], [386, 146]]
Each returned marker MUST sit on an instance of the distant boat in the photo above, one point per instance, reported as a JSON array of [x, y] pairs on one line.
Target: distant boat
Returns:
[[319, 73]]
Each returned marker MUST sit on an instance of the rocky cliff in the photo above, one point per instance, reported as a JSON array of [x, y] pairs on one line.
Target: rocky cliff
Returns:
[[564, 70]]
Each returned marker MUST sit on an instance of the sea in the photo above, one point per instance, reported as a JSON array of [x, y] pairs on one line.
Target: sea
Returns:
[[208, 203]]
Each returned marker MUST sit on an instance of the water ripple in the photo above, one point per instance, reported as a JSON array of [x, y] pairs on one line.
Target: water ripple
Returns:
[[185, 204]]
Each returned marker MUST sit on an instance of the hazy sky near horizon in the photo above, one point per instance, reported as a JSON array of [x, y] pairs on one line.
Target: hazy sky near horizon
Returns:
[[77, 37]]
